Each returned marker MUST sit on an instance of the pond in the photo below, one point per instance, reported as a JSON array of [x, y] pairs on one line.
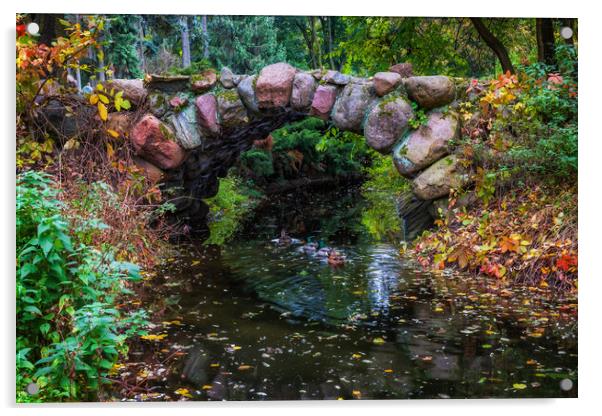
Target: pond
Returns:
[[258, 321]]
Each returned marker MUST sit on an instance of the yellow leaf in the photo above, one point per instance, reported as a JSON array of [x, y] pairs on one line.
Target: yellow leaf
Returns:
[[378, 341], [113, 133], [207, 387], [153, 337], [244, 367], [103, 98], [356, 393], [388, 370], [93, 99], [519, 386], [183, 392], [110, 151], [102, 111]]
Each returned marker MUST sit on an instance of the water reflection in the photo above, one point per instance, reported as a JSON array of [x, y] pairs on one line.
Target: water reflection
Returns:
[[261, 322]]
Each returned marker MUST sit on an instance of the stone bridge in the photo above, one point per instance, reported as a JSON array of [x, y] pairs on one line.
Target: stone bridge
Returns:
[[189, 130]]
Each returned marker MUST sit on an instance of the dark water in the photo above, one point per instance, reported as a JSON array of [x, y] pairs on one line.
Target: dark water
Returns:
[[261, 322]]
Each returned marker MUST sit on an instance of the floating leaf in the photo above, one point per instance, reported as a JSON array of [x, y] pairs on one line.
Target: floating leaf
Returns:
[[378, 341], [183, 392], [519, 386]]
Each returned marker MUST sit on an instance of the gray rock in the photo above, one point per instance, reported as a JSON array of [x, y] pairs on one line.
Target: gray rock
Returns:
[[350, 108], [158, 104], [246, 92], [231, 110], [430, 91], [386, 123], [426, 145], [226, 78], [439, 178], [335, 77], [304, 87], [186, 129]]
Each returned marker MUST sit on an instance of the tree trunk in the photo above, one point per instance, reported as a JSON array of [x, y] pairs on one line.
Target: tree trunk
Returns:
[[205, 37], [494, 43], [185, 34], [141, 44], [546, 51], [314, 40], [308, 42], [78, 73]]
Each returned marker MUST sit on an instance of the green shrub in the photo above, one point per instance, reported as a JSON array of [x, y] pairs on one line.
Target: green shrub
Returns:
[[381, 191], [69, 331], [229, 208]]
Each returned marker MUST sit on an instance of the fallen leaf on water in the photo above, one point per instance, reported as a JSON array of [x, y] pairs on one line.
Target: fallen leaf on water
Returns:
[[531, 362], [215, 365], [388, 370], [378, 341], [244, 367], [356, 356], [207, 387], [357, 394], [153, 337], [519, 386], [183, 392]]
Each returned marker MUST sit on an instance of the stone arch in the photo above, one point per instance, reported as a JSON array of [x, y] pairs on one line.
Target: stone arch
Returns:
[[195, 127]]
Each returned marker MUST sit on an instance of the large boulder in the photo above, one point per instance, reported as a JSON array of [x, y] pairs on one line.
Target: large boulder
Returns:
[[386, 123], [206, 109], [133, 89], [426, 145], [350, 108], [203, 82], [385, 82], [430, 91], [438, 179], [155, 142], [274, 85], [185, 124], [246, 92], [323, 101], [231, 110], [304, 87]]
